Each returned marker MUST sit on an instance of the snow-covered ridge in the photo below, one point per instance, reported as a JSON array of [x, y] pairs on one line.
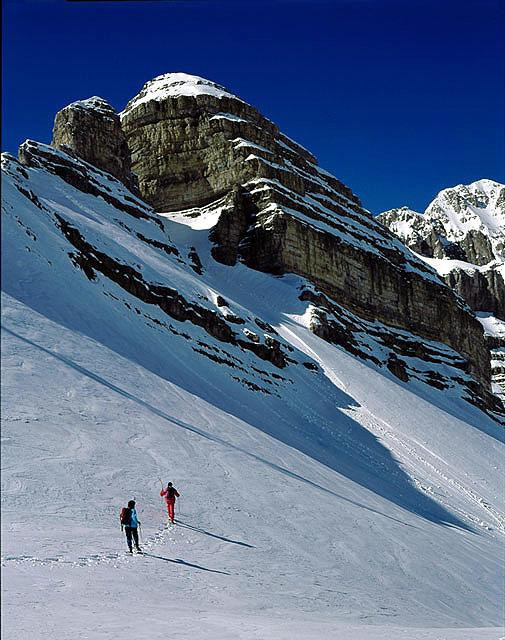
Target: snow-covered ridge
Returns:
[[462, 229], [337, 218], [455, 213], [492, 326], [125, 241], [95, 103], [405, 223], [177, 84], [461, 236], [479, 206], [444, 266]]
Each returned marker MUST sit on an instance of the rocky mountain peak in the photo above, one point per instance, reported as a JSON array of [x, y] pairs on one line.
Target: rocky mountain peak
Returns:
[[477, 208], [173, 85], [201, 153], [95, 104], [410, 226], [465, 222], [456, 215], [91, 129]]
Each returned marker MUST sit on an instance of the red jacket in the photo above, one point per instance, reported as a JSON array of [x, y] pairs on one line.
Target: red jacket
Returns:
[[164, 492]]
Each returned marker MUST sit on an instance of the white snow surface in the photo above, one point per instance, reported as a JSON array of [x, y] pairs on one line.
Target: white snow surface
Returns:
[[95, 103], [492, 326], [171, 85], [227, 116], [444, 266], [470, 207], [346, 504]]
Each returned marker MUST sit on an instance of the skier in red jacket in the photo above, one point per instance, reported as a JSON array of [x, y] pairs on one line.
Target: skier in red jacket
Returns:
[[170, 494]]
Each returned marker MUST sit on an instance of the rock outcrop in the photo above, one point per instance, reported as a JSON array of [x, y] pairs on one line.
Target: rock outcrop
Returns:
[[494, 332], [108, 259], [482, 288], [92, 130], [194, 143]]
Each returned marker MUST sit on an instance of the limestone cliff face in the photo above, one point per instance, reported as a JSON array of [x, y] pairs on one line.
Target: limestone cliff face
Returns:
[[92, 130], [482, 289], [192, 142]]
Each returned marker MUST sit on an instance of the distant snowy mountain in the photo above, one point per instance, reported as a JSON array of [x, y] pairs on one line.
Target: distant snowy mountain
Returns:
[[462, 236], [466, 222], [192, 297], [473, 211]]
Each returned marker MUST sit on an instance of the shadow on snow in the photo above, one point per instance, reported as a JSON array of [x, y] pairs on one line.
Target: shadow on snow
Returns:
[[180, 523], [186, 564], [363, 460]]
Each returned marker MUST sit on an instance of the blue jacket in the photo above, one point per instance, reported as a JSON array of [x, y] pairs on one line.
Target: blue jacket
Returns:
[[134, 522]]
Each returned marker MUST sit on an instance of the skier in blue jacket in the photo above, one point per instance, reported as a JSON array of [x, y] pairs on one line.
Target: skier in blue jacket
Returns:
[[130, 522]]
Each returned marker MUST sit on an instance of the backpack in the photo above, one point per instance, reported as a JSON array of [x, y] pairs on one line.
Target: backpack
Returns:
[[171, 492], [125, 516]]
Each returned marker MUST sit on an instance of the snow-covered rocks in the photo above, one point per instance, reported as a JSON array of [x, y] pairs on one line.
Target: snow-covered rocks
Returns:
[[175, 85], [494, 331], [473, 216], [84, 226], [214, 163], [462, 236], [466, 222]]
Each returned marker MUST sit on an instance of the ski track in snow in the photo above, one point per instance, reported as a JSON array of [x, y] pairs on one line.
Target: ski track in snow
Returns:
[[152, 543], [409, 454]]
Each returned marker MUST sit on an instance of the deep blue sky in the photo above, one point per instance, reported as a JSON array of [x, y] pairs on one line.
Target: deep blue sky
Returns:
[[397, 98]]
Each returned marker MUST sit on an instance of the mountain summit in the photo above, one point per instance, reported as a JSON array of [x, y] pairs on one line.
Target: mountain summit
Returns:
[[175, 85], [466, 222]]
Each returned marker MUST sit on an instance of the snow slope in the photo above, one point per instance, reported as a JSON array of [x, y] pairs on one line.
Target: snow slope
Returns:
[[344, 503]]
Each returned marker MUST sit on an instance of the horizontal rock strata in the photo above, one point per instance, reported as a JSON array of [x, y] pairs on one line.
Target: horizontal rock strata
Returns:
[[192, 142]]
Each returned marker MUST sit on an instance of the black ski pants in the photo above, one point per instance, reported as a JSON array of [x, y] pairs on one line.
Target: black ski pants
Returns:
[[132, 532]]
